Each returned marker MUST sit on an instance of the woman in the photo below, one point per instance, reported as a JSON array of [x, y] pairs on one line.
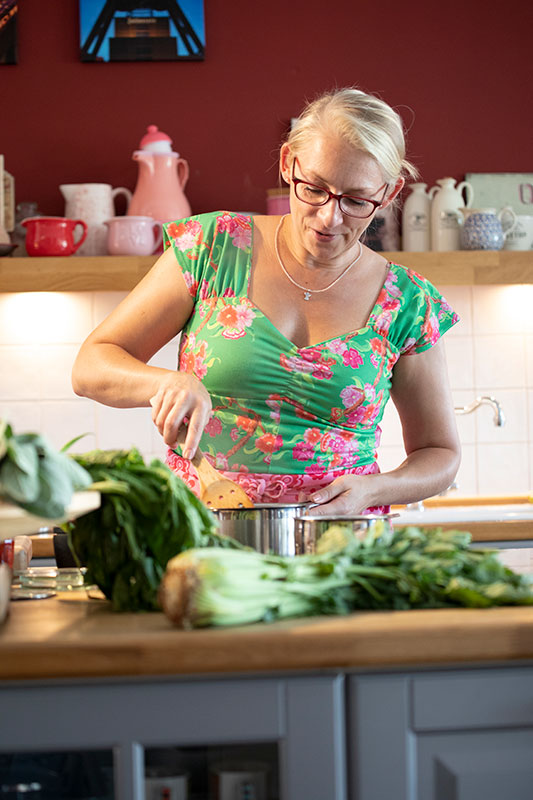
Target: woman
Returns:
[[294, 333]]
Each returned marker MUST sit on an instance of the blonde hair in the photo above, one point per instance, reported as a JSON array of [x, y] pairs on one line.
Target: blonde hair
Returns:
[[363, 120]]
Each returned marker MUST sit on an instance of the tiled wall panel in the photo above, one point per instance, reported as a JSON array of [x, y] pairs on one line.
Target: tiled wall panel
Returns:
[[490, 352]]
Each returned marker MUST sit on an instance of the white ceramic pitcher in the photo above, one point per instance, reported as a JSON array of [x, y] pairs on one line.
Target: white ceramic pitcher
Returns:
[[446, 199], [93, 203]]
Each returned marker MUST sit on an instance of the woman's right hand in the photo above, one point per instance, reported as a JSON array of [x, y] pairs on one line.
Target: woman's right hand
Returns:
[[182, 396]]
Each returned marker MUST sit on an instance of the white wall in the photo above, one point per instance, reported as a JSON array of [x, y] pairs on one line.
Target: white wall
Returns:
[[490, 352]]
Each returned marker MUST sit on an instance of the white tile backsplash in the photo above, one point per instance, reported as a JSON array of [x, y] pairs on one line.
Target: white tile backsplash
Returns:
[[499, 361], [20, 376], [63, 420], [489, 352], [45, 317], [503, 469], [55, 366], [460, 360], [529, 360], [123, 427], [23, 415], [502, 309], [460, 299]]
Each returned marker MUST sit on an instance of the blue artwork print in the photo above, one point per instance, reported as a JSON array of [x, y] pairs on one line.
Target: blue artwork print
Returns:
[[142, 30]]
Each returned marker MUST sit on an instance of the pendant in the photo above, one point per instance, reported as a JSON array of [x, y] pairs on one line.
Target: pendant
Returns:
[[307, 295]]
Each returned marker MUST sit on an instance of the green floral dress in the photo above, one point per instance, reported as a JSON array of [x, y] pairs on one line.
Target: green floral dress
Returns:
[[287, 419]]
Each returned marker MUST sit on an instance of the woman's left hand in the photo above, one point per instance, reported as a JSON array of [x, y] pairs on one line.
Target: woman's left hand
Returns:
[[347, 495]]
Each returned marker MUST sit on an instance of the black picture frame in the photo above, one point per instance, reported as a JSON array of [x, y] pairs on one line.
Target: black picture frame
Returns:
[[142, 30], [8, 32]]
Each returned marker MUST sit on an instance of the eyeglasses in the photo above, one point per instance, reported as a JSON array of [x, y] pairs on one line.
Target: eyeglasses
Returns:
[[314, 195]]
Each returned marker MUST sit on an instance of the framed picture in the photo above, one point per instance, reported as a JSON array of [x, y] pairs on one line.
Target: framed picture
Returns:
[[142, 30], [499, 189], [8, 31]]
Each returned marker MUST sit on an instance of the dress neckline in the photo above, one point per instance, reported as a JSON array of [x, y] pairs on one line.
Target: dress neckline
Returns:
[[348, 334]]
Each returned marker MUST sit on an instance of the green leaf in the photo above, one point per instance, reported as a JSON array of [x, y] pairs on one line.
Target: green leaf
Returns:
[[19, 480]]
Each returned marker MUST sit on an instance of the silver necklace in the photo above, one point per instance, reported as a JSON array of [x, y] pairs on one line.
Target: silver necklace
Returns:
[[308, 292]]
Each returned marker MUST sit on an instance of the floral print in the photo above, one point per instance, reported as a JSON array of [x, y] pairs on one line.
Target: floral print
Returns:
[[286, 419]]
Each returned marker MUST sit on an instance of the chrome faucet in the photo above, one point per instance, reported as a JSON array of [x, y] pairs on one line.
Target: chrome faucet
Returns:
[[499, 416]]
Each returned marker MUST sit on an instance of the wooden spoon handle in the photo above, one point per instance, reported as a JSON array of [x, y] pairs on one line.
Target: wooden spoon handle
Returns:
[[207, 473]]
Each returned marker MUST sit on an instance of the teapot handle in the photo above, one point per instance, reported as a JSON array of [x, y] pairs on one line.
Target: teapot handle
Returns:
[[509, 212], [432, 191], [183, 172], [469, 191], [125, 192]]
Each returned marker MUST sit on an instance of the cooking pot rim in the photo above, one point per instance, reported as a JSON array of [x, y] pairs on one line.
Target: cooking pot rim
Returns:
[[260, 506], [345, 517]]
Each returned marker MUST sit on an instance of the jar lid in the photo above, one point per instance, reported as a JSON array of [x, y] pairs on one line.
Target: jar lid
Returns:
[[156, 141]]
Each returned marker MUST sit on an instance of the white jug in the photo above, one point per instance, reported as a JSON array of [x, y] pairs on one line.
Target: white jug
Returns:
[[447, 199], [416, 219], [93, 203]]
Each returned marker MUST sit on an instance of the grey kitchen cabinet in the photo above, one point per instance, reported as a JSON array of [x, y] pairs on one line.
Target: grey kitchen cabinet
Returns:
[[464, 734], [303, 715]]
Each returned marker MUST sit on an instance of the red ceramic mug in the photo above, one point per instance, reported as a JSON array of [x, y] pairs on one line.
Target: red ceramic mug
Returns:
[[53, 236]]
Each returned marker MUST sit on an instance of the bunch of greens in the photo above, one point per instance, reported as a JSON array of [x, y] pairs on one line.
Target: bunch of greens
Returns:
[[396, 569], [147, 516], [35, 476]]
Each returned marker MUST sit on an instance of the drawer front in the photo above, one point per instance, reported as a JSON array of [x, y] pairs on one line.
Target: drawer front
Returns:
[[476, 699]]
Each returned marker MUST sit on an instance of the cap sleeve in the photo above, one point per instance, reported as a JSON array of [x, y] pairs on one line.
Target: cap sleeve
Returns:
[[424, 315], [191, 240]]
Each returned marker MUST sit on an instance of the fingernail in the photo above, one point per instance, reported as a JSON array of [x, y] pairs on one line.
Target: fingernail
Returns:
[[187, 453], [317, 498]]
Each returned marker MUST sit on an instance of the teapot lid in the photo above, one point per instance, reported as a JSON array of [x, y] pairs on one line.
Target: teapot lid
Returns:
[[156, 141]]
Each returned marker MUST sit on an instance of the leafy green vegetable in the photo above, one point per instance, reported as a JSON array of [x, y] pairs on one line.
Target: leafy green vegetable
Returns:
[[146, 517], [35, 476], [400, 569]]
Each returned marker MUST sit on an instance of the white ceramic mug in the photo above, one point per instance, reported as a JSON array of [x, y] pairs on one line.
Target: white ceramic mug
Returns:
[[133, 236], [521, 237], [234, 780]]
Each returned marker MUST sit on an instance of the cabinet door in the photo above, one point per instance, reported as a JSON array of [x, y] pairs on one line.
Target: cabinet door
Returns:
[[303, 717], [479, 765], [453, 735]]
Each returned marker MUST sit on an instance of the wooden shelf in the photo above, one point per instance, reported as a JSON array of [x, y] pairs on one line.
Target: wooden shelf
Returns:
[[122, 273]]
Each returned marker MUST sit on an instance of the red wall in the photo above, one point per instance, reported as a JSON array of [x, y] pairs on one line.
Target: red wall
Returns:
[[460, 75]]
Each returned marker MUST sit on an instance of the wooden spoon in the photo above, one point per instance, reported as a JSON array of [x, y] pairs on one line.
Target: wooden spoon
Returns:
[[217, 491]]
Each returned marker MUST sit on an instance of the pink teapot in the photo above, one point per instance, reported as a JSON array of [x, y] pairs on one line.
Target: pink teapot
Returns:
[[162, 178]]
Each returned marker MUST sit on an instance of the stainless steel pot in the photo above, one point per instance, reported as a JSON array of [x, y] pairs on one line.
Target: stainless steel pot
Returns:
[[288, 530], [308, 529], [267, 527]]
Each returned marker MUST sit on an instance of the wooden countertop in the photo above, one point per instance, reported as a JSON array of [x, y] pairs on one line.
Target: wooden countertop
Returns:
[[72, 636]]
